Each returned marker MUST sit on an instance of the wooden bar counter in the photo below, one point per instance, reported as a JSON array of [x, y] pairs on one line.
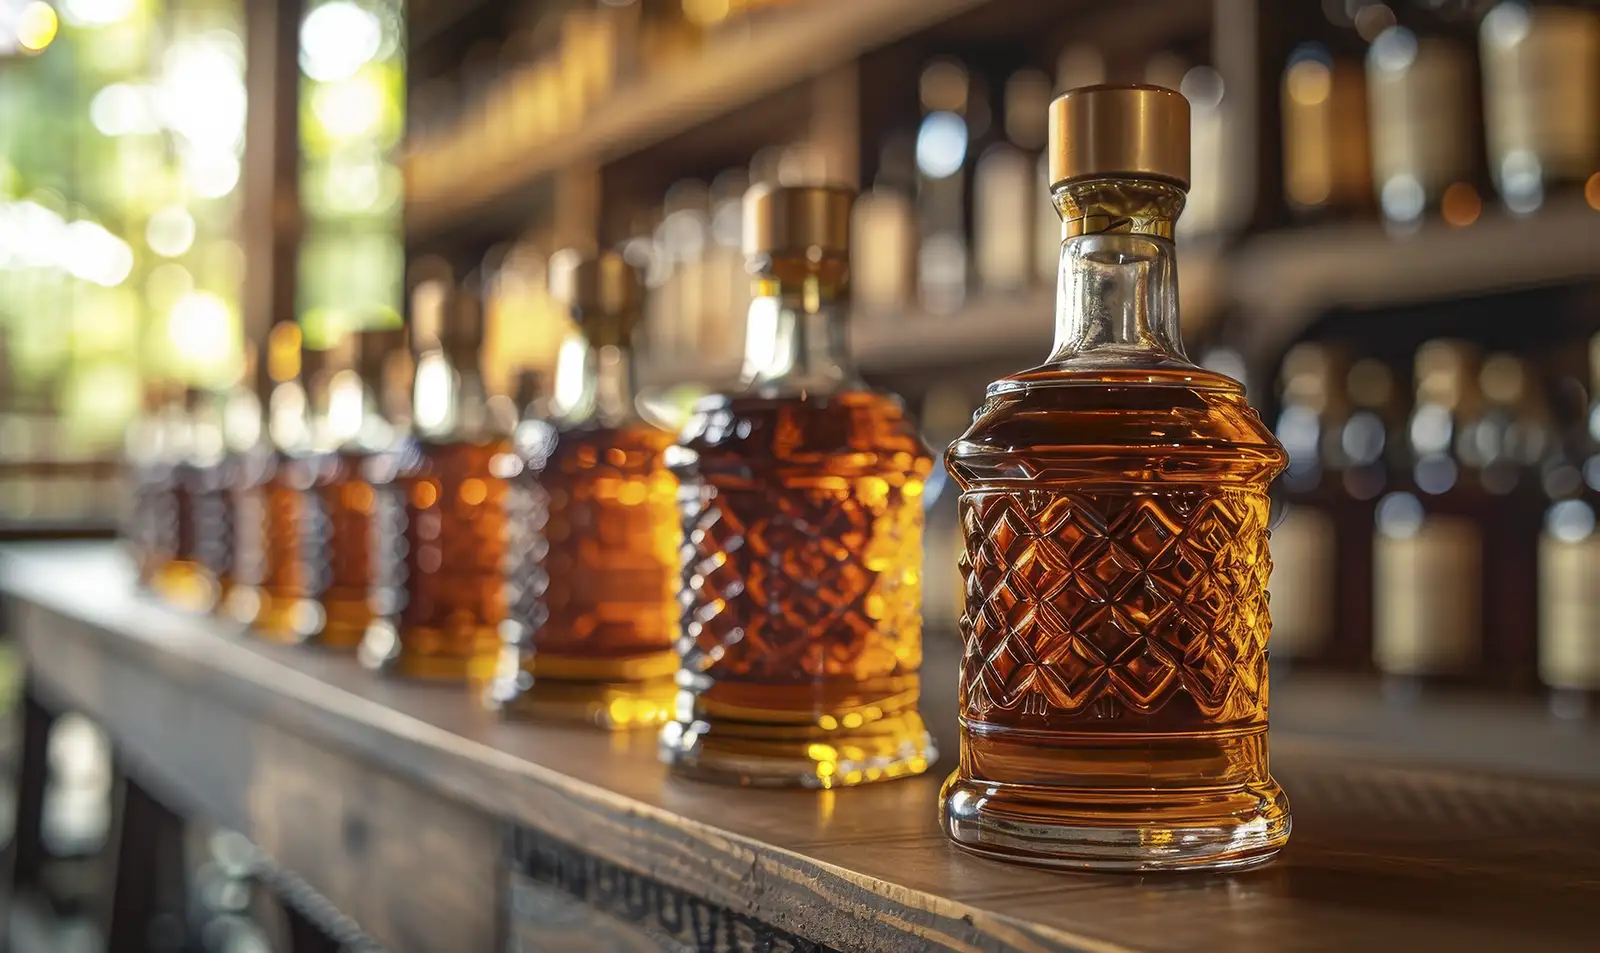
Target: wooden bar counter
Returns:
[[405, 813]]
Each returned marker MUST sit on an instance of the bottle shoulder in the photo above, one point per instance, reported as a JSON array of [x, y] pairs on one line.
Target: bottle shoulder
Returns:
[[847, 431], [1145, 425]]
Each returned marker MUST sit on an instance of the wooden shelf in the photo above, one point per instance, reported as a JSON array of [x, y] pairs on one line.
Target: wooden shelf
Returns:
[[734, 71], [412, 811], [1281, 280]]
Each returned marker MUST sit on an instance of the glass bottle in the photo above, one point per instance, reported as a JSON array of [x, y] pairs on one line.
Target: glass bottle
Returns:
[[1569, 570], [1321, 547], [192, 529], [267, 505], [349, 430], [438, 533], [1003, 187], [1327, 162], [801, 496], [1424, 145], [592, 518], [157, 500], [1429, 598], [1541, 99], [1113, 692]]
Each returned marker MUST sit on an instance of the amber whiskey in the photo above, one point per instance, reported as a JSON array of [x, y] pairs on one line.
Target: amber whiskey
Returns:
[[593, 532], [1113, 692], [438, 530], [169, 519], [350, 431], [266, 579], [801, 627]]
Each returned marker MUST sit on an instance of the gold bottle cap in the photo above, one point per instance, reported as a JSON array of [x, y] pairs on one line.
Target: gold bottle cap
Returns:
[[1135, 132], [603, 293], [807, 221]]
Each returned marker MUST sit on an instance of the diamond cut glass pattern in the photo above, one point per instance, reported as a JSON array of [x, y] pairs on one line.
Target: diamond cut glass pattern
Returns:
[[1114, 601]]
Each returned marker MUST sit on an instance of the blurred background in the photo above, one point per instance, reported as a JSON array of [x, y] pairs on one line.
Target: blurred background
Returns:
[[1393, 238]]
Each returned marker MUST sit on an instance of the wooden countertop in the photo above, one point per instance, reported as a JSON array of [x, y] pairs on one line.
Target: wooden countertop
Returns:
[[1385, 855]]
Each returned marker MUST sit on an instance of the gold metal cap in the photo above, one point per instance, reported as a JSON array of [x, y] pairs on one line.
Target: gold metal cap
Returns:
[[809, 221], [1136, 132], [603, 293]]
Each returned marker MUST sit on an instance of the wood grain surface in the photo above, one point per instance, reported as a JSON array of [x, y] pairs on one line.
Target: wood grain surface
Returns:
[[386, 797]]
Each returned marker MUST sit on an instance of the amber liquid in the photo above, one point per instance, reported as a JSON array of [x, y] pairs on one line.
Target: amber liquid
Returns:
[[165, 533], [592, 578], [439, 538], [267, 573], [802, 592], [336, 547], [1114, 675]]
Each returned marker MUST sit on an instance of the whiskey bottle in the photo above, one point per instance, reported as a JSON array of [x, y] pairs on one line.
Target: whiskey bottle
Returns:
[[1113, 692], [1327, 161], [1308, 587], [593, 534], [1003, 187], [437, 524], [1569, 571], [883, 238], [150, 458], [1541, 100], [1429, 594], [943, 147], [349, 429], [183, 527], [801, 635], [1420, 98], [266, 580]]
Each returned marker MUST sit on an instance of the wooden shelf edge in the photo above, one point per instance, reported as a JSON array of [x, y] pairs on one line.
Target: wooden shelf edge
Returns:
[[733, 72]]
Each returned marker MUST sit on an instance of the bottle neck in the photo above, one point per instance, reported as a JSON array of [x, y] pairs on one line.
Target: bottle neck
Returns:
[[352, 415], [609, 387], [1117, 285], [797, 338], [449, 397]]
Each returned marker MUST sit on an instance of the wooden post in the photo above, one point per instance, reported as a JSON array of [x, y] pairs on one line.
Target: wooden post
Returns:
[[270, 226]]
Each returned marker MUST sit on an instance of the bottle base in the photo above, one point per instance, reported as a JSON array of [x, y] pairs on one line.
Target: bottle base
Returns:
[[1116, 830], [755, 755], [185, 585], [612, 706], [393, 652]]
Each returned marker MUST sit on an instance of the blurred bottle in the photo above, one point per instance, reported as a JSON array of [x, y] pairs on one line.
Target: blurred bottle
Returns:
[[682, 241], [1327, 159], [883, 235], [350, 430], [165, 510], [1321, 549], [1569, 568], [943, 146], [1424, 149], [1509, 445], [1541, 98], [1437, 547], [592, 518], [1004, 190], [946, 413], [438, 532], [1078, 65], [1209, 194], [726, 295], [150, 510], [267, 567]]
